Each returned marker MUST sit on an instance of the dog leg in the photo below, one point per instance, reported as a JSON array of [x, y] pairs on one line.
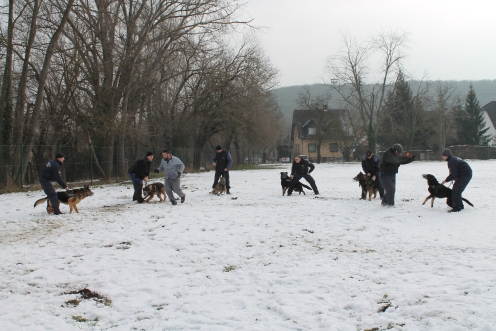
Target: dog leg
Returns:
[[149, 197], [432, 201], [423, 203]]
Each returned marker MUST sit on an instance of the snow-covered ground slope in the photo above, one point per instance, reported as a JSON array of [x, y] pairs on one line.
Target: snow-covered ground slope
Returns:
[[254, 260]]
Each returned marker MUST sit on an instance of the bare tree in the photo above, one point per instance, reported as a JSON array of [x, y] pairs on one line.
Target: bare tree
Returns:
[[356, 87]]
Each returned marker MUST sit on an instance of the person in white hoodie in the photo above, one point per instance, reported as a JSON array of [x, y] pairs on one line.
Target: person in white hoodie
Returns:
[[172, 167]]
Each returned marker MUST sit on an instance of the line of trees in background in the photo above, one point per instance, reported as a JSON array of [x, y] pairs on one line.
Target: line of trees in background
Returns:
[[382, 109], [116, 73]]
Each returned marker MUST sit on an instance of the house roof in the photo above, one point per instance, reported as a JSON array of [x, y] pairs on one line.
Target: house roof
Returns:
[[303, 118], [490, 108]]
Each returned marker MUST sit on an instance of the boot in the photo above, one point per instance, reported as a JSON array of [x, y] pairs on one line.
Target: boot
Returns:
[[228, 192]]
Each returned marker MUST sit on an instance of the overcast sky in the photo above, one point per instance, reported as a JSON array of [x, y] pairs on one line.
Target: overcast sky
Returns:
[[449, 39]]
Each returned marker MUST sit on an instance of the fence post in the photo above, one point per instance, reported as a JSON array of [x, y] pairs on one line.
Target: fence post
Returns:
[[117, 163], [21, 164], [91, 166]]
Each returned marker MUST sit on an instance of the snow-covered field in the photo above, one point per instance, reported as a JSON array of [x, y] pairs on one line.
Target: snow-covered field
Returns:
[[258, 262]]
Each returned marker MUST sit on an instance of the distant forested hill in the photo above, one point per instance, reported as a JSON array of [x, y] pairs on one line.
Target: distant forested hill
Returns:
[[485, 90]]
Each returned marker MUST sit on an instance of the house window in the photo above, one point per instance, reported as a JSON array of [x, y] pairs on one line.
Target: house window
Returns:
[[312, 148], [312, 131], [334, 147]]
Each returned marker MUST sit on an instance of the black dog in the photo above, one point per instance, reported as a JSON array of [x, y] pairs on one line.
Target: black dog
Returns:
[[438, 190], [286, 180], [367, 185]]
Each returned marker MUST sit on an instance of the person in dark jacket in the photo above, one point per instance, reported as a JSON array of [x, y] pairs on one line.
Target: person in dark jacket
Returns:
[[461, 173], [222, 161], [138, 172], [370, 165], [301, 169], [391, 161], [51, 173]]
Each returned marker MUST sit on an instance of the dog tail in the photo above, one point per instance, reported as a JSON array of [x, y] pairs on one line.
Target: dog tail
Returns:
[[39, 202], [307, 187], [470, 203]]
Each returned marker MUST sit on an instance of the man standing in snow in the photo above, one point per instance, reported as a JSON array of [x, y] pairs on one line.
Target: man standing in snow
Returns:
[[138, 172], [301, 169], [370, 165], [172, 167], [391, 161], [51, 173], [461, 173], [222, 161]]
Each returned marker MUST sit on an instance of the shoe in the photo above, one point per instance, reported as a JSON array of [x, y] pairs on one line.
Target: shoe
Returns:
[[58, 213], [457, 210], [228, 192], [463, 207], [141, 201], [183, 198], [173, 202], [317, 193], [289, 194]]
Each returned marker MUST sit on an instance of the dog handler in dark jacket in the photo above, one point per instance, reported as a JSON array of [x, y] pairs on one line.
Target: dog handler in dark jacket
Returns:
[[370, 165], [51, 173], [222, 161], [391, 161], [460, 171], [301, 169], [139, 172]]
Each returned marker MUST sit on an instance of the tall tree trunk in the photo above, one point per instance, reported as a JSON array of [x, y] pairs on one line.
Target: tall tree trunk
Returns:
[[19, 118], [31, 132], [6, 103]]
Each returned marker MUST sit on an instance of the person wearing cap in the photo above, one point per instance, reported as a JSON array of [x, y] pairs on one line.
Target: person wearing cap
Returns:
[[370, 165], [461, 173], [222, 161], [138, 172], [301, 168], [52, 173], [391, 161], [173, 168]]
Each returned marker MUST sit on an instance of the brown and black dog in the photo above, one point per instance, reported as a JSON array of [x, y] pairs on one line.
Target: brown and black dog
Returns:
[[368, 185], [71, 198], [438, 190], [286, 180], [151, 189], [220, 188]]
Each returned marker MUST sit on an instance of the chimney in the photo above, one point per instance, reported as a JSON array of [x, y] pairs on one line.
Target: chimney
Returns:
[[325, 108]]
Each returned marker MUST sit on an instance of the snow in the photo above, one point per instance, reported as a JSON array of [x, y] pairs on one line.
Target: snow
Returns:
[[258, 262]]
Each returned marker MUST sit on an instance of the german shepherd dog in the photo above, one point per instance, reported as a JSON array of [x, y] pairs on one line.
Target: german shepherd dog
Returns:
[[71, 198], [151, 189], [286, 180], [368, 185], [438, 190], [220, 188]]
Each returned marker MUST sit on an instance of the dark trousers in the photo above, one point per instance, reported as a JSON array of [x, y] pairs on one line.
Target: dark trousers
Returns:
[[138, 188], [388, 181], [51, 194], [458, 187], [381, 188], [296, 179], [219, 174]]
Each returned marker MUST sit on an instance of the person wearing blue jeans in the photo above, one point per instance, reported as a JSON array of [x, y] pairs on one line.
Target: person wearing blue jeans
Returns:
[[461, 173], [391, 161], [138, 172], [52, 173], [301, 169]]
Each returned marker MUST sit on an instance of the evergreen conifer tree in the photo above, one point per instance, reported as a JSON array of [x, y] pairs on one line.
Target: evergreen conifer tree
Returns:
[[471, 125]]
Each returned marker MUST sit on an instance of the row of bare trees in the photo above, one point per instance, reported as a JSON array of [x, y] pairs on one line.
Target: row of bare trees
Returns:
[[381, 106], [118, 73]]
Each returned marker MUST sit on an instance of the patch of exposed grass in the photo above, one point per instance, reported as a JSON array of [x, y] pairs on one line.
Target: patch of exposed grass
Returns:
[[87, 294], [229, 268]]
